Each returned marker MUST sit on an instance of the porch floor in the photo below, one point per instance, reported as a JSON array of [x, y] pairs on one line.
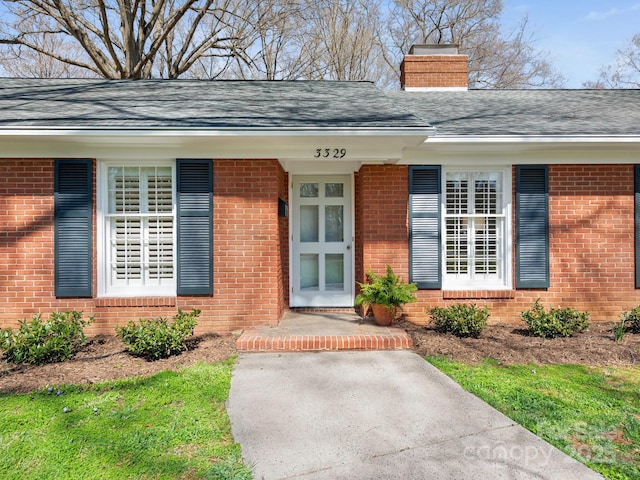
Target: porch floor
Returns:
[[318, 331]]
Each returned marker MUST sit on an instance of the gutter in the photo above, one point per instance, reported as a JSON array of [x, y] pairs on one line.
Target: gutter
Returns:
[[519, 139], [222, 132]]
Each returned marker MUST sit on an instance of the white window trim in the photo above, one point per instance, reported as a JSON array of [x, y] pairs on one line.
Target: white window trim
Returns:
[[102, 206], [448, 281]]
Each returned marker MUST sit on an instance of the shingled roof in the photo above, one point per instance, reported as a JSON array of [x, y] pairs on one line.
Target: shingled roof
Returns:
[[199, 104], [312, 105], [526, 112]]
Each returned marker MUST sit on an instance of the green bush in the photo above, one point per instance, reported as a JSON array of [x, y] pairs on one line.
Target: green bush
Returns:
[[557, 322], [632, 320], [45, 341], [462, 320], [629, 322], [157, 338]]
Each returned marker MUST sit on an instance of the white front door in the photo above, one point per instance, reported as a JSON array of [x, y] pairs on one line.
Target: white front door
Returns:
[[321, 256]]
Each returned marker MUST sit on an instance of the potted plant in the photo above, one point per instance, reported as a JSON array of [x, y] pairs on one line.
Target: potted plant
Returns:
[[385, 295]]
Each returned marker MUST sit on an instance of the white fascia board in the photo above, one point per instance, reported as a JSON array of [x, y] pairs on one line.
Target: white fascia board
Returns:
[[423, 132], [481, 150], [523, 143], [301, 144], [529, 139]]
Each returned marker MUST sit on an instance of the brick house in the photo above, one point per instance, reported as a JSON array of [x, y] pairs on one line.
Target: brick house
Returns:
[[245, 198]]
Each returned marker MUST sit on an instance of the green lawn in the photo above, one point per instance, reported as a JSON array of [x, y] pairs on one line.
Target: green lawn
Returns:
[[169, 426], [593, 414]]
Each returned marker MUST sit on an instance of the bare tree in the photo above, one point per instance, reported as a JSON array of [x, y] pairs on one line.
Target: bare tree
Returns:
[[313, 39], [277, 45], [267, 39], [624, 72], [496, 60], [343, 36], [129, 39], [19, 61]]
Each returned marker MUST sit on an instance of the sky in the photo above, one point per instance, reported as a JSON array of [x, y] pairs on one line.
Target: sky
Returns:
[[580, 35]]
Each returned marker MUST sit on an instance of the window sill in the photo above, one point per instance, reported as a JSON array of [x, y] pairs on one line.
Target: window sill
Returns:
[[136, 302], [477, 294]]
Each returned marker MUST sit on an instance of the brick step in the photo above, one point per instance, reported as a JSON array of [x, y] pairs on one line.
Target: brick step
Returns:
[[252, 341]]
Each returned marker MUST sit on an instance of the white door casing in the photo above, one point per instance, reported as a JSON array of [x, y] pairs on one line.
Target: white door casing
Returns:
[[322, 241]]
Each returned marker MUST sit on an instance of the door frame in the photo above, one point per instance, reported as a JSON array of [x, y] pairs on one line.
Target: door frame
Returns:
[[352, 227]]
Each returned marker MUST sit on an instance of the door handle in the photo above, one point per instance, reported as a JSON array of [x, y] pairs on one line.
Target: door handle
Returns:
[[348, 247]]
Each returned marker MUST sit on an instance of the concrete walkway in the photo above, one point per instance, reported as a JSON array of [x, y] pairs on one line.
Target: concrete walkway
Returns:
[[376, 415]]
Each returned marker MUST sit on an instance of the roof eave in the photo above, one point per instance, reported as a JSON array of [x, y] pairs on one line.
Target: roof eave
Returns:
[[424, 131], [578, 138]]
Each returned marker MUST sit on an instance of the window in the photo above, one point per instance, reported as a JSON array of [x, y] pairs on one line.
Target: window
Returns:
[[475, 246], [460, 227], [139, 225]]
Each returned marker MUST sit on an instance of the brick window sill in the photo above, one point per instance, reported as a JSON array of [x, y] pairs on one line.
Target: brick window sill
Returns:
[[477, 294], [128, 302]]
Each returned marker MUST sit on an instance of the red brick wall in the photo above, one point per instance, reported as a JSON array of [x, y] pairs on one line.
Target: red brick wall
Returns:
[[591, 248], [591, 242], [381, 219], [250, 251], [429, 71], [26, 239], [247, 263]]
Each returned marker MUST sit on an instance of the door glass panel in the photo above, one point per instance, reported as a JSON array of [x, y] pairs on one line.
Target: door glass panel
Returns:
[[309, 271], [334, 271], [309, 224], [333, 190], [334, 223], [309, 190]]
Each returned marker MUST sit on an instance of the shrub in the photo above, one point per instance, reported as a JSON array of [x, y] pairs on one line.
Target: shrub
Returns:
[[619, 329], [629, 322], [632, 320], [157, 338], [461, 320], [557, 322], [45, 341]]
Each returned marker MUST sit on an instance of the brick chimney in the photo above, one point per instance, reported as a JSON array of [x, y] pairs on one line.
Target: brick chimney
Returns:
[[434, 67]]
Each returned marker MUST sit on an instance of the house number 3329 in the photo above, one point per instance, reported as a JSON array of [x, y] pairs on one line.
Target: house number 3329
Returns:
[[330, 153]]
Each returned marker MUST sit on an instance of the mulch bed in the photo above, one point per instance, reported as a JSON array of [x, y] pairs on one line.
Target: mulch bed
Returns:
[[105, 357], [513, 344]]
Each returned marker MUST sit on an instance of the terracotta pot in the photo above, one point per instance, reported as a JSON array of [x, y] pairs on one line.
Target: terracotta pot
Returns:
[[383, 315]]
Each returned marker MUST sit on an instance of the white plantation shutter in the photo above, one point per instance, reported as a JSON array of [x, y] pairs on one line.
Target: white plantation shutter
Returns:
[[160, 248], [160, 227], [141, 230], [474, 211], [126, 248]]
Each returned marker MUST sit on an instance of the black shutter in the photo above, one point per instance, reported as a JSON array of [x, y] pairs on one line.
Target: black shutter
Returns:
[[195, 227], [73, 227], [532, 226], [425, 265], [637, 222]]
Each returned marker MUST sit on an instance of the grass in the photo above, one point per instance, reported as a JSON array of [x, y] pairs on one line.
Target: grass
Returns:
[[592, 414], [172, 425]]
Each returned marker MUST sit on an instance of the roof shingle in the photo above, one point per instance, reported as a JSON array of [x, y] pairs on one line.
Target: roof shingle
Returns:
[[198, 104], [527, 112]]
